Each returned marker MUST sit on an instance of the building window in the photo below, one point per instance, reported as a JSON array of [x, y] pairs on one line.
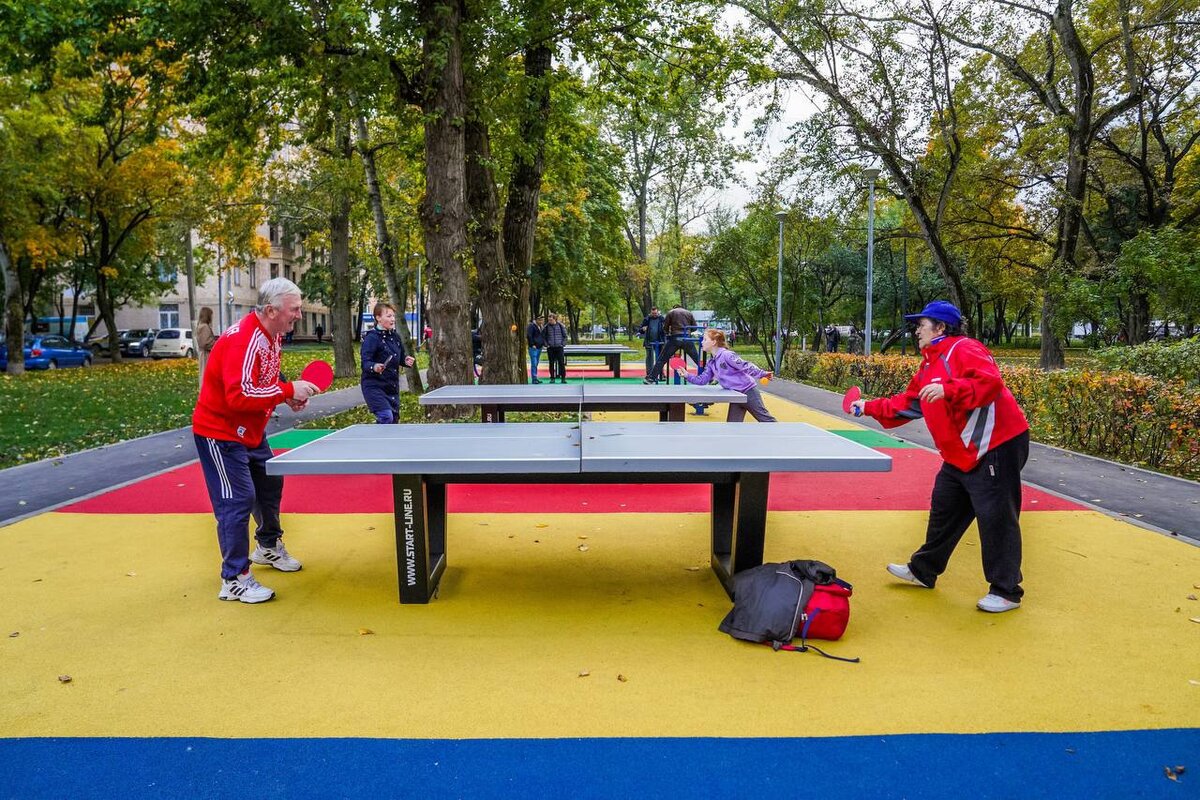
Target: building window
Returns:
[[274, 270], [168, 315], [237, 277], [274, 234], [253, 270]]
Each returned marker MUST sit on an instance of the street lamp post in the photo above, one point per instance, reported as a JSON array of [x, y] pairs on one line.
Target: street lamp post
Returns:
[[870, 173], [781, 216]]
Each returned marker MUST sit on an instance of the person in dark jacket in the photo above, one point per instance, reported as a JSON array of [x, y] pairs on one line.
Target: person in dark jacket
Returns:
[[382, 355], [983, 438], [831, 339], [555, 334], [679, 319], [654, 332], [536, 341]]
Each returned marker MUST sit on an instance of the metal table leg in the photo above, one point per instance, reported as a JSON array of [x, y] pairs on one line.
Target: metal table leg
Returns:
[[739, 524], [420, 517]]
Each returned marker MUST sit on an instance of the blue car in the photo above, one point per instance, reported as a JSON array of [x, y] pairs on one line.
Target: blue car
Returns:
[[49, 351]]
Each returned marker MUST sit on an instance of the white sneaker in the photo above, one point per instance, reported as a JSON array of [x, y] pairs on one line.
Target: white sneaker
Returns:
[[245, 589], [902, 572], [995, 604], [277, 557]]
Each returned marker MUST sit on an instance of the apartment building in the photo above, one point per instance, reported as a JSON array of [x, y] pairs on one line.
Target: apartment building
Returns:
[[230, 294]]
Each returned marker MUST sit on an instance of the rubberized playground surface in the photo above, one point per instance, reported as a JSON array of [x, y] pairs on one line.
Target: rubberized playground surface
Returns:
[[573, 650]]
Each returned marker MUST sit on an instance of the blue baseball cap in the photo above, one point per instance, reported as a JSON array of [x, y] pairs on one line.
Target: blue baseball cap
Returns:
[[941, 310]]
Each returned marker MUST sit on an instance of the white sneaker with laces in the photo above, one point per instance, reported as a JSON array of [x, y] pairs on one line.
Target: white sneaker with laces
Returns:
[[995, 604], [902, 572], [277, 557], [245, 589]]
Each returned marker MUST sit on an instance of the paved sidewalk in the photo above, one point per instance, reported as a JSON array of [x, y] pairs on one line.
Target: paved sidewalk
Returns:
[[1162, 502]]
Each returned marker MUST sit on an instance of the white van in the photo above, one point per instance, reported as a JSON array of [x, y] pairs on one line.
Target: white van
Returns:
[[173, 343]]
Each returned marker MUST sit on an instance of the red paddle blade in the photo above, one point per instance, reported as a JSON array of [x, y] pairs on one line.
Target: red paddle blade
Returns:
[[318, 373], [852, 394], [677, 363]]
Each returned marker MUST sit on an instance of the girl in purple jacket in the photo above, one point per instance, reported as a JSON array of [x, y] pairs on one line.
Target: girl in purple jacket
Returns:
[[732, 372]]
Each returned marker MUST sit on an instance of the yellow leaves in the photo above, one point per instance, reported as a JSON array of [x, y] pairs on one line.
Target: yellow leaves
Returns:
[[109, 272]]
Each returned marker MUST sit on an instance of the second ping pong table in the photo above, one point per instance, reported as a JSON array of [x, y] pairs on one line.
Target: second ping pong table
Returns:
[[612, 354], [735, 460], [495, 400]]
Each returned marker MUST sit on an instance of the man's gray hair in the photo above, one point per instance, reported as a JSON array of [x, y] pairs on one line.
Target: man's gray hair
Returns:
[[273, 292]]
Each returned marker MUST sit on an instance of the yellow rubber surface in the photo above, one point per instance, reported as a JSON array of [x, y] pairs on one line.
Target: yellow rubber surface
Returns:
[[534, 636]]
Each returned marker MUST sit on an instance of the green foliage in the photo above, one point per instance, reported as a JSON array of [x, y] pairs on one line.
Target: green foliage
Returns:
[[1166, 360]]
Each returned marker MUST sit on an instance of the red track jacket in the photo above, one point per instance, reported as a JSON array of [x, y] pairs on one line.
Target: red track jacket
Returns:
[[978, 412], [241, 385]]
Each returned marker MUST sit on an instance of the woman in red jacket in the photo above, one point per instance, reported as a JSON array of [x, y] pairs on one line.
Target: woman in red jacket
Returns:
[[983, 437]]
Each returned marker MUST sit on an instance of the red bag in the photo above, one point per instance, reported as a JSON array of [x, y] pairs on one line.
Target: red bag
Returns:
[[827, 612]]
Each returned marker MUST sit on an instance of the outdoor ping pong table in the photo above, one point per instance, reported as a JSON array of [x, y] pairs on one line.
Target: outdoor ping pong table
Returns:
[[735, 460], [669, 401], [612, 354]]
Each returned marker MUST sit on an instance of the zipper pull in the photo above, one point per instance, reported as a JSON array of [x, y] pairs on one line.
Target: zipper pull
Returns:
[[992, 470]]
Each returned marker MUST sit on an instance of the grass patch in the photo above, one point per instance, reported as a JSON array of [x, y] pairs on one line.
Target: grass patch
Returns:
[[44, 414]]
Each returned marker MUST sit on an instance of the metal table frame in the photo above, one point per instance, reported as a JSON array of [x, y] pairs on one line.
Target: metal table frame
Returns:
[[663, 399]]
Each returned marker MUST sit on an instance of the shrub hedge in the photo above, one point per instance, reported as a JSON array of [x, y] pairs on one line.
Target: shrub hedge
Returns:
[[1164, 360], [1137, 419]]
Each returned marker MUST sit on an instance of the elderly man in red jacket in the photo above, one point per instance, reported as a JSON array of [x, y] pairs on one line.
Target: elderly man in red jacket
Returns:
[[983, 437], [241, 388]]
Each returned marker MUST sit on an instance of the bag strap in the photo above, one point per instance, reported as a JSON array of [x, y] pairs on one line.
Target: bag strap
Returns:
[[804, 648]]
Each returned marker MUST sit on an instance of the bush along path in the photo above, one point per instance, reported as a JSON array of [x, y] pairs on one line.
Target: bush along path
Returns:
[[1119, 416]]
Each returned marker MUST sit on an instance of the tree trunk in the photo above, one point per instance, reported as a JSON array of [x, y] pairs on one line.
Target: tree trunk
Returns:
[[525, 186], [14, 314], [340, 323], [443, 209], [397, 288], [497, 298]]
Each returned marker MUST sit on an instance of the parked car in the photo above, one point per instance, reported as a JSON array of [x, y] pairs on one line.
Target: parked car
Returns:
[[173, 343], [49, 351], [137, 342], [99, 344]]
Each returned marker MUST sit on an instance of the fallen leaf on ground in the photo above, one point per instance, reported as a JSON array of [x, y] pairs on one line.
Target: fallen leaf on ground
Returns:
[[581, 536], [131, 574], [64, 678], [365, 632], [584, 673], [1195, 619], [583, 548], [622, 678], [1191, 597], [692, 569], [14, 634]]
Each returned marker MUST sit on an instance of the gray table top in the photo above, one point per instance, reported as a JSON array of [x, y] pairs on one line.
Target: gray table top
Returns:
[[565, 448], [579, 393], [597, 349]]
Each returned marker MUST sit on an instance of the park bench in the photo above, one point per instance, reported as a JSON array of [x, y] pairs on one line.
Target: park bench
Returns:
[[735, 460]]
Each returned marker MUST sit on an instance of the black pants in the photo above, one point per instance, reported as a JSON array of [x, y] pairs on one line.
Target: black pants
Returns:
[[558, 362], [652, 349], [991, 494], [672, 346]]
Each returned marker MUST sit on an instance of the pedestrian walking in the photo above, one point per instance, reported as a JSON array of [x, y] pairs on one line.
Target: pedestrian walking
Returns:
[[678, 321], [205, 339], [555, 335], [536, 341], [983, 437], [654, 334]]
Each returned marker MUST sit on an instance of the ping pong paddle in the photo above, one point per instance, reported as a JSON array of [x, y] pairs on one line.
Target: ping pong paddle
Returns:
[[852, 394], [319, 374], [677, 362]]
